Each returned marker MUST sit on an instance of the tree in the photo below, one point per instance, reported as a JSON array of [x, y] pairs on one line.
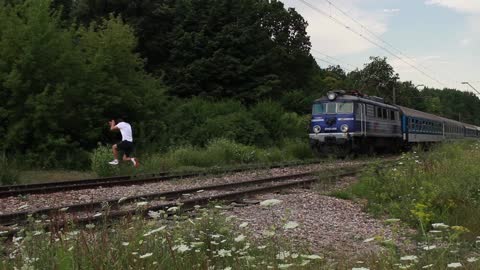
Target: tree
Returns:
[[378, 78], [60, 84]]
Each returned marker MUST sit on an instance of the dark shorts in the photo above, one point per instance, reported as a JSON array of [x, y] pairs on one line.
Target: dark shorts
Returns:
[[126, 147]]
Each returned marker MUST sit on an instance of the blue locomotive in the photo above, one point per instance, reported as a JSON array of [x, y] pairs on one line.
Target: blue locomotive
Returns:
[[357, 123]]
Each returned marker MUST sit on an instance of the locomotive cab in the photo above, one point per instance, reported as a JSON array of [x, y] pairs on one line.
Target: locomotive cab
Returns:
[[352, 122]]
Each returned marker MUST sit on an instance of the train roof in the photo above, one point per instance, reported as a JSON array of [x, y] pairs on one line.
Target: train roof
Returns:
[[357, 98], [424, 115]]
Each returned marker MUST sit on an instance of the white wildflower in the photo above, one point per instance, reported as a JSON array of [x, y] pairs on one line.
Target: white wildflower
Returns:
[[270, 202], [240, 238], [215, 236], [196, 244], [155, 230], [90, 226], [305, 262], [430, 247], [182, 248], [146, 255], [63, 209], [139, 204], [472, 259], [227, 268], [294, 255], [70, 248], [427, 266], [360, 268], [125, 244], [409, 258], [312, 257], [243, 225], [37, 233], [454, 265], [284, 266], [97, 215], [173, 209], [224, 253], [268, 233], [439, 226], [435, 231], [154, 214], [290, 225], [283, 255], [218, 206], [261, 247]]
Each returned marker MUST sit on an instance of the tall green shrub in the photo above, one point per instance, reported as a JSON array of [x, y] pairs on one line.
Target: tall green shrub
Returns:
[[8, 171]]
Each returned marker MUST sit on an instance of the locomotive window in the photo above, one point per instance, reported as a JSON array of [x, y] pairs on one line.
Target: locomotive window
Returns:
[[392, 115], [344, 107], [318, 108], [331, 107], [385, 115], [379, 112]]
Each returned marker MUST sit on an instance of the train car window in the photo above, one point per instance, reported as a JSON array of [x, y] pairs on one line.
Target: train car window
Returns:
[[392, 115], [385, 115], [331, 108], [370, 111], [318, 108], [344, 107], [379, 112]]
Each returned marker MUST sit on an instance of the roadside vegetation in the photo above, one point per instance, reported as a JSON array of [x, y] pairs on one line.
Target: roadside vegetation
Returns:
[[208, 240], [436, 192]]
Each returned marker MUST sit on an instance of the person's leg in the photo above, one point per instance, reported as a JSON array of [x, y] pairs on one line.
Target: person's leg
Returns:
[[115, 155], [127, 156]]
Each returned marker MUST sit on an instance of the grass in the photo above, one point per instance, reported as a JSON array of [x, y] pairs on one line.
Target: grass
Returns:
[[41, 176], [437, 193], [219, 153], [210, 240]]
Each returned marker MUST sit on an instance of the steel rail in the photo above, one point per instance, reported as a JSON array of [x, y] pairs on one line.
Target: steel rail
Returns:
[[22, 217], [15, 190], [189, 204]]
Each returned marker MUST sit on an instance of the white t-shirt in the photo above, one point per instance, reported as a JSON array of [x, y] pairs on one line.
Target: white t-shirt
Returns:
[[126, 131]]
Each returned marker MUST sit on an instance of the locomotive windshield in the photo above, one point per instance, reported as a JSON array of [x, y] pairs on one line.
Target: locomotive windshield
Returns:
[[332, 108]]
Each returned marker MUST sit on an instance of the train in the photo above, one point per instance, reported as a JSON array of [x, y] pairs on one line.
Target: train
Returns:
[[351, 122]]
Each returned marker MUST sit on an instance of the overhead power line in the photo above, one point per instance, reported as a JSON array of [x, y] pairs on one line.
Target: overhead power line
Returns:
[[368, 39], [376, 36], [333, 58]]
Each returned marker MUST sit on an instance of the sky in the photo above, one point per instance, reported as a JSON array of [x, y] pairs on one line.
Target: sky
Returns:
[[429, 42]]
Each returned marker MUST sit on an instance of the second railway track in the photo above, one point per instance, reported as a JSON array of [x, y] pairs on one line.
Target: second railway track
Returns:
[[161, 200], [15, 190]]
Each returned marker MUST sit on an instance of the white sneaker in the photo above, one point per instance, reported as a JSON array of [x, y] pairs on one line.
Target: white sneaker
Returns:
[[113, 162], [135, 162]]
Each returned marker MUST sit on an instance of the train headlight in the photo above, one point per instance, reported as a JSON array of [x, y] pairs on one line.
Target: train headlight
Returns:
[[317, 129], [344, 128], [331, 95]]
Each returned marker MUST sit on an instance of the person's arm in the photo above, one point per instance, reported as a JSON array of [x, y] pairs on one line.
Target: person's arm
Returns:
[[112, 125]]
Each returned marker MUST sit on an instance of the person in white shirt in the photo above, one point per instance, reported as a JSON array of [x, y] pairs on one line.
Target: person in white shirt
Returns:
[[126, 145]]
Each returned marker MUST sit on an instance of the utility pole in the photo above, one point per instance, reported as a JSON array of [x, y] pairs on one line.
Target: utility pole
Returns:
[[394, 99], [471, 87]]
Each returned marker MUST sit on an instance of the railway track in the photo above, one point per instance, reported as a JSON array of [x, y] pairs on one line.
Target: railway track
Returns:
[[15, 190], [96, 211]]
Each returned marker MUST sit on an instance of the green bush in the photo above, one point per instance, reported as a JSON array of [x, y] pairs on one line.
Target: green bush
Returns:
[[427, 187], [298, 149], [100, 158], [8, 171]]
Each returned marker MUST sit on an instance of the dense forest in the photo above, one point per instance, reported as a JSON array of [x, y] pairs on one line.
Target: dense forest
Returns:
[[183, 72]]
